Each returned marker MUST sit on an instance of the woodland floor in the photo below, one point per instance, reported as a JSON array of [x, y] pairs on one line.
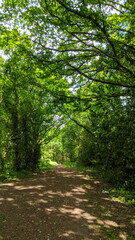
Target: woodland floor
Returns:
[[62, 204]]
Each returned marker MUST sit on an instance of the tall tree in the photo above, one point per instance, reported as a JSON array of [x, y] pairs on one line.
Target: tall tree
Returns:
[[26, 113]]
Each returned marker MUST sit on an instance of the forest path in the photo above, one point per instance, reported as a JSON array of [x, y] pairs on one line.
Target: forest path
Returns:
[[62, 204]]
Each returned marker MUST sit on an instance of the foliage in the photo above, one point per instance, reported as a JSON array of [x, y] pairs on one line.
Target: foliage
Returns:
[[70, 135], [26, 120], [123, 195], [69, 70], [9, 175], [68, 163], [54, 151], [46, 165]]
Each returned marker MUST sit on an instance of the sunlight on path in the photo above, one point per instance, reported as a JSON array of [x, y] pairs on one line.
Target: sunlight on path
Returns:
[[62, 204]]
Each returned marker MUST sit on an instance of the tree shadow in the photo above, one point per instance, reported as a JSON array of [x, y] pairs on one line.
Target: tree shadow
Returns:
[[62, 204]]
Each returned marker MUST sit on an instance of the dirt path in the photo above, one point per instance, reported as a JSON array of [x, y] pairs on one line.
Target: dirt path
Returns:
[[62, 204]]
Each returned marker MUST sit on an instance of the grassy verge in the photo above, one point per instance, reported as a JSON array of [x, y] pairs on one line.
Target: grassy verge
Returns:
[[114, 191], [127, 196], [70, 164], [80, 168], [47, 165], [9, 175]]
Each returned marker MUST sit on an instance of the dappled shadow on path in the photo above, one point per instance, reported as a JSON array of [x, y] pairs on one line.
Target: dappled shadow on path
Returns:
[[62, 204]]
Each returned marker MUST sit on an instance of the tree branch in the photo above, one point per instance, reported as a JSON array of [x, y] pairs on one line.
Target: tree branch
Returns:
[[82, 126], [99, 80]]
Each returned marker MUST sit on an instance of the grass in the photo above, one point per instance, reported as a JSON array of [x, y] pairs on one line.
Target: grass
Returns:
[[9, 175], [68, 163], [124, 195], [127, 196], [108, 233], [80, 168], [47, 164]]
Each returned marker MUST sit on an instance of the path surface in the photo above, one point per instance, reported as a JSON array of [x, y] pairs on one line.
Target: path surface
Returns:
[[62, 204]]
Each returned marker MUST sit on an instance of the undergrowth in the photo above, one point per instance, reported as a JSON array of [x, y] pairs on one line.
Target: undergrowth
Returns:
[[9, 175], [46, 165]]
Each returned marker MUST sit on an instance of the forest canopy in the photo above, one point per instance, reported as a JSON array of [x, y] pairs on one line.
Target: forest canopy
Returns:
[[68, 70]]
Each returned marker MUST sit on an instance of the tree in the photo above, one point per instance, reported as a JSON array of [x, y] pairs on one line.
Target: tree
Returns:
[[25, 116], [82, 61], [94, 40]]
